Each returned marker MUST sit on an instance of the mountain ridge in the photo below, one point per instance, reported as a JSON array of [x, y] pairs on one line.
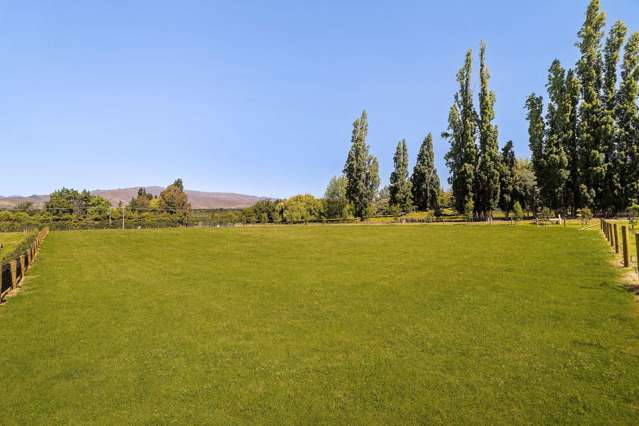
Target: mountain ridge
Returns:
[[198, 199]]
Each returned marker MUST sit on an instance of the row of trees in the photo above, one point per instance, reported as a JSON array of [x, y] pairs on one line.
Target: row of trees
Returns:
[[70, 208], [585, 148], [173, 199], [67, 201], [483, 178], [296, 209], [357, 190]]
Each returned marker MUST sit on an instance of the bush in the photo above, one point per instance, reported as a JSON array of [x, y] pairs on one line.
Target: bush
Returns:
[[518, 212], [585, 214]]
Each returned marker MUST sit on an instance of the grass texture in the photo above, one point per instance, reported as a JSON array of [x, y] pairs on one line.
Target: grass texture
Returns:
[[322, 324]]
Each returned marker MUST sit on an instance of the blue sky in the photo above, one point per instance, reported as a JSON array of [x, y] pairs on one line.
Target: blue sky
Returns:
[[251, 96]]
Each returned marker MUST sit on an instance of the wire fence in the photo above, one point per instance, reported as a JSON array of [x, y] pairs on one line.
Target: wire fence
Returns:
[[623, 240], [137, 217], [13, 271]]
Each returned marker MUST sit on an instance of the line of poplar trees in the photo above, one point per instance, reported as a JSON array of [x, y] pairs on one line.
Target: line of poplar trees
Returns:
[[585, 147], [420, 190], [482, 178]]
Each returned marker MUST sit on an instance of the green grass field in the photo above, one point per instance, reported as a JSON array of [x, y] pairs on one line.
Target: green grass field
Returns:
[[322, 324], [10, 241]]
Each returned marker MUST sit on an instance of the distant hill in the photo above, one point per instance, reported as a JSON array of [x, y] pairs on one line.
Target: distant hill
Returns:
[[198, 199], [13, 200]]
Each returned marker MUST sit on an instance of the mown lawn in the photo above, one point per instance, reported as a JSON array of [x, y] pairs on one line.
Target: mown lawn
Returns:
[[322, 324]]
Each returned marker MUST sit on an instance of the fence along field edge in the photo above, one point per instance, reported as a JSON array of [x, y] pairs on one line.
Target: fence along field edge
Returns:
[[13, 272], [623, 241]]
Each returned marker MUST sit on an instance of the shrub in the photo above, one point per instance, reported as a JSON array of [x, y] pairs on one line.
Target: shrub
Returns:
[[518, 212], [585, 214]]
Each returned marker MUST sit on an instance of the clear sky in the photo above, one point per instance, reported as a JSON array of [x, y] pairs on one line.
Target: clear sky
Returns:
[[253, 96]]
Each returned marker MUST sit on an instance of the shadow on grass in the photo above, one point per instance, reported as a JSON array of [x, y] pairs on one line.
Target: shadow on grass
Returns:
[[632, 288], [604, 285]]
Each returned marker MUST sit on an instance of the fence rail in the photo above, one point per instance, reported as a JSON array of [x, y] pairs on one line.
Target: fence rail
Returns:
[[624, 241], [14, 271]]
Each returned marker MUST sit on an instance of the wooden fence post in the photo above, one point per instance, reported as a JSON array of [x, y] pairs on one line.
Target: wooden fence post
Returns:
[[624, 246], [610, 241], [616, 232], [14, 274]]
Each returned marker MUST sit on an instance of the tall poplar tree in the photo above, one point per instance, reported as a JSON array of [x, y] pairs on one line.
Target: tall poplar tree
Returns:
[[612, 191], [361, 169], [571, 141], [507, 178], [487, 188], [400, 186], [424, 179], [627, 117], [461, 159], [556, 173], [589, 70], [536, 126]]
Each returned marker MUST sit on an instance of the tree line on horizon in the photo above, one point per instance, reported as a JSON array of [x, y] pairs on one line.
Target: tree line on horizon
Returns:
[[584, 144], [70, 208]]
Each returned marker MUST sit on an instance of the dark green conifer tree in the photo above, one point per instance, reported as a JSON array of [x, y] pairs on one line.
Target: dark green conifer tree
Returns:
[[536, 126], [507, 178], [361, 170], [400, 186], [425, 180]]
